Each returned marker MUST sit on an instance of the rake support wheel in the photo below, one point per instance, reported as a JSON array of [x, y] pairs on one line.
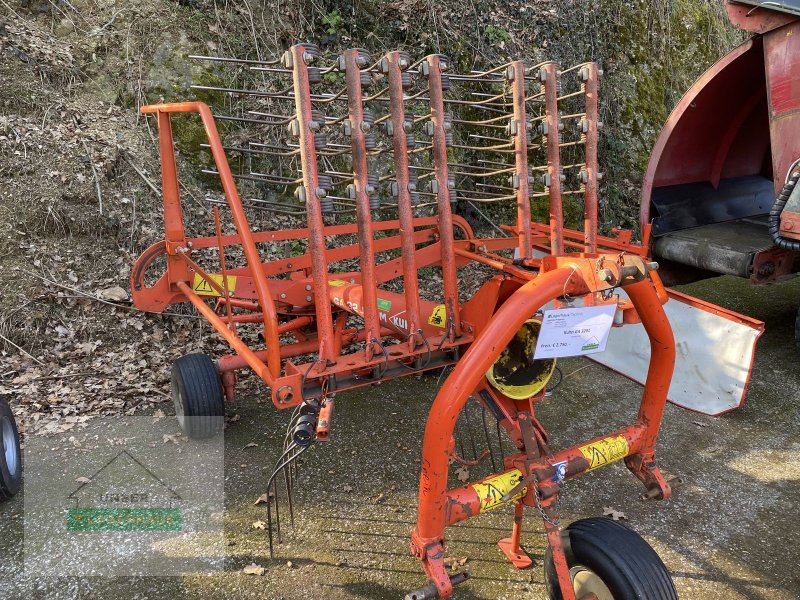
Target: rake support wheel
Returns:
[[611, 561], [198, 396], [10, 458]]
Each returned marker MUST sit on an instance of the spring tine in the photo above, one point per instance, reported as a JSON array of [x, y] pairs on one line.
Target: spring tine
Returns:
[[286, 481], [277, 511], [488, 440], [269, 525], [500, 439], [467, 414]]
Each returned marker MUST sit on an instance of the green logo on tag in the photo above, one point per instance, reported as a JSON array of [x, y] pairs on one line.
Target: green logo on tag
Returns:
[[384, 305]]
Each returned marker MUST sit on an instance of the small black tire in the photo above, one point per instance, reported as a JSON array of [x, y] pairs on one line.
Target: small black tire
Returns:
[[11, 457], [198, 396], [607, 558], [797, 329]]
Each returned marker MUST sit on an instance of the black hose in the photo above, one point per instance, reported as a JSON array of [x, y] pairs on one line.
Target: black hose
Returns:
[[775, 216]]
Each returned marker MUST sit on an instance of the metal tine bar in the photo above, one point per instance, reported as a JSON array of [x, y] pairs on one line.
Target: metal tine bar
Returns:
[[251, 177], [478, 105], [480, 124], [576, 67], [468, 414], [271, 70], [521, 159], [490, 162], [316, 237], [284, 119], [488, 174], [568, 144], [244, 61], [212, 88], [490, 71], [478, 136], [488, 439], [488, 200], [248, 120], [500, 149], [297, 213], [550, 74], [591, 75], [466, 191], [287, 483], [376, 96], [485, 121], [477, 79], [495, 187], [253, 150], [358, 127], [405, 215], [571, 95]]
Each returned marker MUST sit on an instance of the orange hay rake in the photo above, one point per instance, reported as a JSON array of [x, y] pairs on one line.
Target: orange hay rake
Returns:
[[386, 136]]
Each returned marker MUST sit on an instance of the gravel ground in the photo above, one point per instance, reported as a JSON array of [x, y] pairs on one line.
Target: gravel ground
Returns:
[[727, 533]]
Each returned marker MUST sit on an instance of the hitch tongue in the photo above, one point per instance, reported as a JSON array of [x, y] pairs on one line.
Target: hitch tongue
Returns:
[[429, 592]]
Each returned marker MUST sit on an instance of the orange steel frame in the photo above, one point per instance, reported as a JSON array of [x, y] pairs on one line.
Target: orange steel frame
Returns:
[[312, 304]]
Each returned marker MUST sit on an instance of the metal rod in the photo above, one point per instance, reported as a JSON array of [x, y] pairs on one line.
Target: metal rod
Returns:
[[449, 280], [363, 216], [590, 88], [316, 236], [550, 72], [521, 160], [405, 212]]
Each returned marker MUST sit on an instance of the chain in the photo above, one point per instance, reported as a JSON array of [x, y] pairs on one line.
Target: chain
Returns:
[[538, 500]]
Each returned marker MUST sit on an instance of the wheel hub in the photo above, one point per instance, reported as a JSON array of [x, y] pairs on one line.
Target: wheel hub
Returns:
[[588, 585], [10, 446]]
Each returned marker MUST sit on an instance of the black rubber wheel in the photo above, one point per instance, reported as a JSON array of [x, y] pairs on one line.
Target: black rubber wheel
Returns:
[[797, 329], [198, 397], [11, 457], [611, 561]]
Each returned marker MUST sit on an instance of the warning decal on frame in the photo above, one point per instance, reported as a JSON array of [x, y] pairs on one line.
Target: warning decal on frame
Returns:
[[491, 491], [605, 451], [202, 288], [384, 305], [337, 282], [574, 331], [438, 316]]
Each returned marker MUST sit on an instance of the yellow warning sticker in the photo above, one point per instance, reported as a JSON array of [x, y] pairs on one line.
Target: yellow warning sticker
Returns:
[[337, 282], [202, 288], [491, 491], [605, 451], [438, 317]]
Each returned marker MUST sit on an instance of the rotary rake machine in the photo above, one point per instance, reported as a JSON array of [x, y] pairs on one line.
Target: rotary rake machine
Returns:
[[376, 155]]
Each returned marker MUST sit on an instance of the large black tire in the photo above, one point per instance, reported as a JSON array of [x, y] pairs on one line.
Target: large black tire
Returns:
[[612, 561], [198, 397], [11, 457]]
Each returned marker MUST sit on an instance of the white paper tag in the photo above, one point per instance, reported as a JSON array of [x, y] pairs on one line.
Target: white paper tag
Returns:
[[574, 331]]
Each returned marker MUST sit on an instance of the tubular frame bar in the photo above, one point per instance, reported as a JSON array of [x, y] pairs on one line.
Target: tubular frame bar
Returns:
[[450, 284], [316, 238]]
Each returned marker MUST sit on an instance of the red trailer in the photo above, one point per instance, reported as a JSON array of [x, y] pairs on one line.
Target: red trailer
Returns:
[[727, 151]]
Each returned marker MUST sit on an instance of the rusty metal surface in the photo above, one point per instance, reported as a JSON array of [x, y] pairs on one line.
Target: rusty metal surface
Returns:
[[379, 154]]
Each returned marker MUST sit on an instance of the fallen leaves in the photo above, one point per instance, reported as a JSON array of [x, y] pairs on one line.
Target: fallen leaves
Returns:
[[454, 562], [254, 569], [113, 294], [259, 525], [616, 515], [262, 499]]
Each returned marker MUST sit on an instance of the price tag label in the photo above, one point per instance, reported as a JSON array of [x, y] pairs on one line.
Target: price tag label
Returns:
[[574, 331]]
